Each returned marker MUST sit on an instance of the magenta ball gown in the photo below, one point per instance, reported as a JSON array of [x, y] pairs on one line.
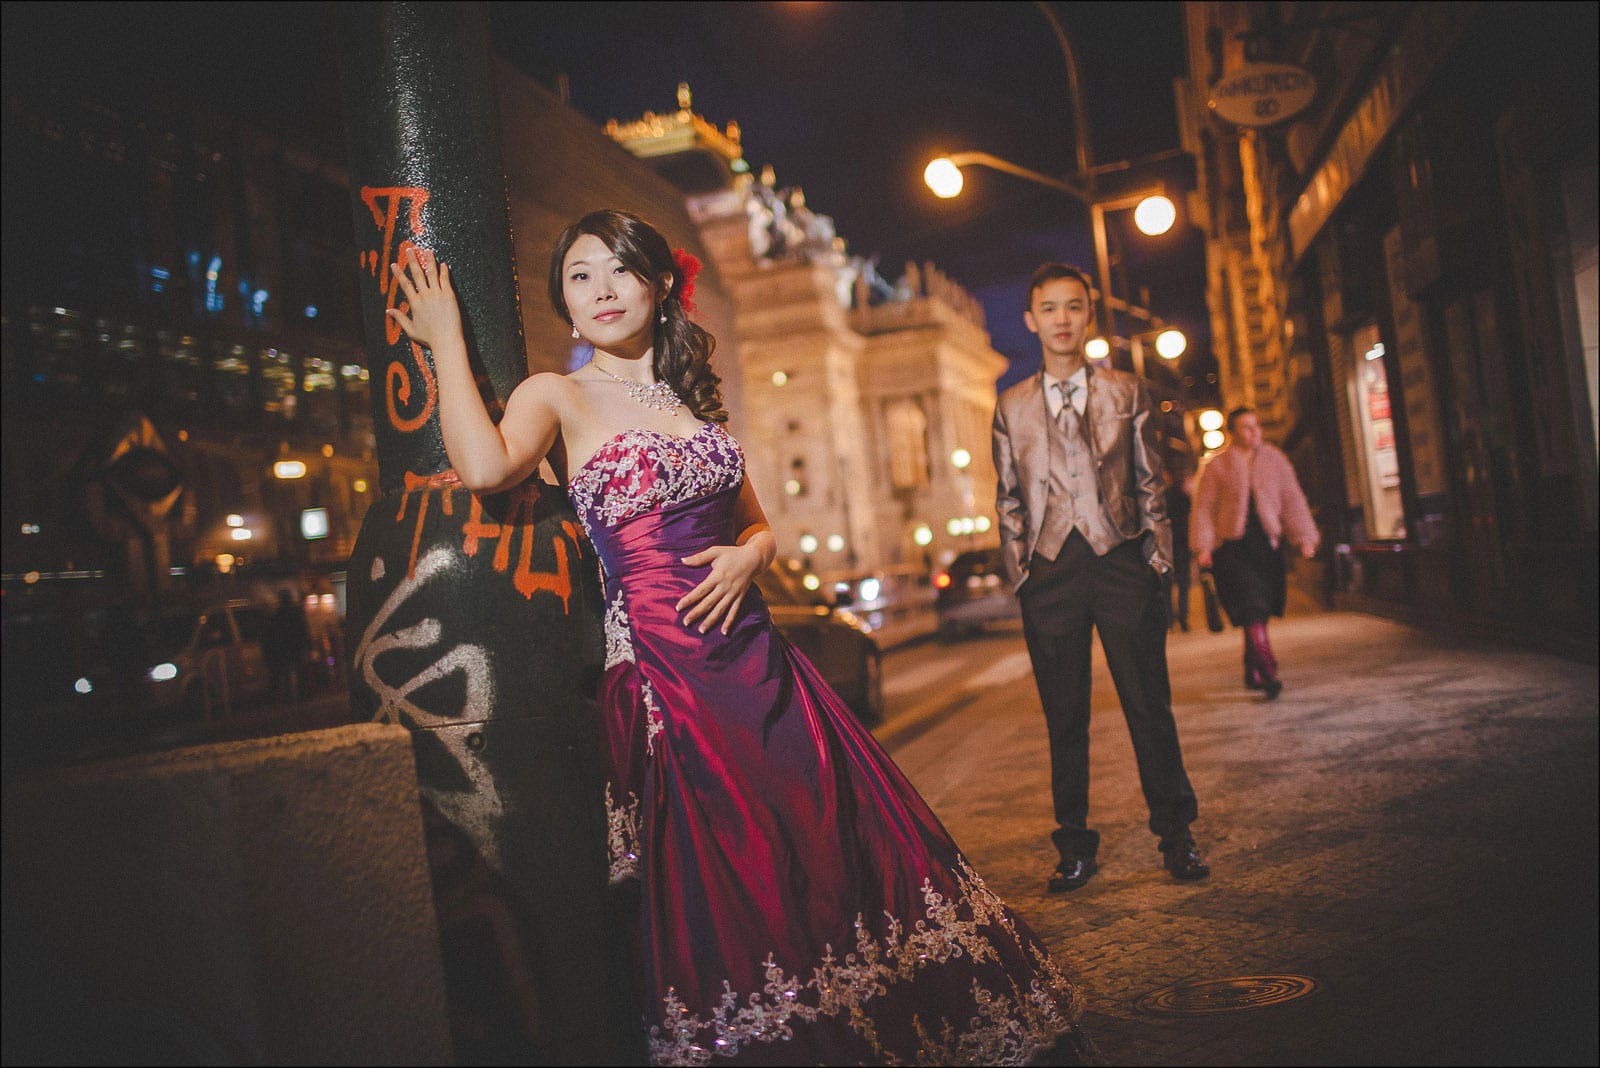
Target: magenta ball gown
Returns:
[[799, 901]]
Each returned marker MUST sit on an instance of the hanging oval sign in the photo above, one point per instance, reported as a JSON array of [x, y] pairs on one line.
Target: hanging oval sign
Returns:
[[1260, 94]]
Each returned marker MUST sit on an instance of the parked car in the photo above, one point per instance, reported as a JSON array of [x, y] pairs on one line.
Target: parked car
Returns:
[[973, 591], [834, 639], [209, 660]]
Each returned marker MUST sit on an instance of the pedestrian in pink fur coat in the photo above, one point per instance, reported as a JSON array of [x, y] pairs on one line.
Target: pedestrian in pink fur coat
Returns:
[[1247, 501]]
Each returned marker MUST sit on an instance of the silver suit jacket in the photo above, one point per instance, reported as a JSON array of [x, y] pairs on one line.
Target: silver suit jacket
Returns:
[[1123, 439]]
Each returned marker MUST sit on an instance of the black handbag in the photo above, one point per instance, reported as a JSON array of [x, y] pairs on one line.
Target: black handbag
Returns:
[[1208, 594]]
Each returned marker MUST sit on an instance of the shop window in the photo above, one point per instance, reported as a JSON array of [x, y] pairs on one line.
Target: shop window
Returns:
[[278, 394], [181, 372], [319, 396], [1385, 512], [230, 378], [353, 380]]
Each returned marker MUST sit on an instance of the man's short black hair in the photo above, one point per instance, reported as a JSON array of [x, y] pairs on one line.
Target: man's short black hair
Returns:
[[1237, 414], [1049, 272]]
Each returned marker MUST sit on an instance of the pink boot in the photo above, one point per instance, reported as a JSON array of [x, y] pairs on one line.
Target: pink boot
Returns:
[[1259, 649], [1252, 668]]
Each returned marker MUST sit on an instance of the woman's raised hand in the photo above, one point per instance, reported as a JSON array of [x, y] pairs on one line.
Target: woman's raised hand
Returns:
[[431, 316]]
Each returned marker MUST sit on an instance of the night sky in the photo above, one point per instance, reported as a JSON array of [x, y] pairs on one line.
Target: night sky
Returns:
[[847, 100]]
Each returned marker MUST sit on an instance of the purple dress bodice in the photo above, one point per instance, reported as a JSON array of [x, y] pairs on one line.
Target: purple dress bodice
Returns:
[[799, 902], [640, 471]]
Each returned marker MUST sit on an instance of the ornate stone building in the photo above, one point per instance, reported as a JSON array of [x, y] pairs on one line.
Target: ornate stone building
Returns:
[[867, 402]]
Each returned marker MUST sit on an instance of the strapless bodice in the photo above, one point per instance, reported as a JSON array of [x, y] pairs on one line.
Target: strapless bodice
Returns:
[[641, 470], [648, 499]]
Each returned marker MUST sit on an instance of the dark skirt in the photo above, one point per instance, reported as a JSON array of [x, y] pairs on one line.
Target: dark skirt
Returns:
[[1251, 583]]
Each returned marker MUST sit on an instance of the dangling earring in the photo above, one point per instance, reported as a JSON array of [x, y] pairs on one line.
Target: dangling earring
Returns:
[[662, 308], [575, 334]]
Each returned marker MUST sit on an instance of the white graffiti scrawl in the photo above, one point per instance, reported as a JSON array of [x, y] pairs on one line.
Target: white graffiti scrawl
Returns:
[[477, 811], [472, 661]]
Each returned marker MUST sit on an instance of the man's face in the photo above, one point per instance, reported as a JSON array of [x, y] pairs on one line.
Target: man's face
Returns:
[[1060, 314]]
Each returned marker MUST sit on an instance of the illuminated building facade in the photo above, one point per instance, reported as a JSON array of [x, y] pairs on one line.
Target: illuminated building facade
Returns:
[[1402, 281], [867, 402]]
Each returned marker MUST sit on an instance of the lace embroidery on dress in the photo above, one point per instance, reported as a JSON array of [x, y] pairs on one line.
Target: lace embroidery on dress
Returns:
[[619, 633], [1009, 1026], [643, 469], [622, 837], [653, 724]]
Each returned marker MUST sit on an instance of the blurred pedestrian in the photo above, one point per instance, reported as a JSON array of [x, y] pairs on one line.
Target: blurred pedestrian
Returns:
[[1085, 541], [1246, 502], [1180, 494], [287, 644]]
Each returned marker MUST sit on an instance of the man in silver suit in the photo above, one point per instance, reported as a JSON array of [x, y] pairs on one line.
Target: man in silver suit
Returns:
[[1086, 544]]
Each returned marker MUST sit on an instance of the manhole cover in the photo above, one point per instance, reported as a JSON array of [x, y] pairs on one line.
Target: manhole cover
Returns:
[[1225, 995]]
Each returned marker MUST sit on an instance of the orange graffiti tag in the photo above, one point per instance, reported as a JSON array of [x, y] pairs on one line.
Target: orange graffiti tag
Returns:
[[475, 530], [384, 204]]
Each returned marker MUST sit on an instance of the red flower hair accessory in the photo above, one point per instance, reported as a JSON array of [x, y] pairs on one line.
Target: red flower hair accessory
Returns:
[[688, 269]]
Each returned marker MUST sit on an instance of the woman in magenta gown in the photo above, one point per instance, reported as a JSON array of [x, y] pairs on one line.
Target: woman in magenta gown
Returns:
[[799, 902]]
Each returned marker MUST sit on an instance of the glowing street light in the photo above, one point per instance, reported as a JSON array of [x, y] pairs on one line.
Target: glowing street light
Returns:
[[1097, 348], [1170, 344], [1154, 215], [960, 458], [1210, 419], [943, 177]]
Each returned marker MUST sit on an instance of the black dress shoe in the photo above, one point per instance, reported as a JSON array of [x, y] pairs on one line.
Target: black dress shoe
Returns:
[[1185, 863], [1071, 874]]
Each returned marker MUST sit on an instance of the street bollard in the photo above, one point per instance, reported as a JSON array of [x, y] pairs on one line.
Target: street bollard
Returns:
[[474, 621]]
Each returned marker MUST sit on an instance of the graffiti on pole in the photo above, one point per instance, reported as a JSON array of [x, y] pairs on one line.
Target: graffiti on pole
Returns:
[[385, 203]]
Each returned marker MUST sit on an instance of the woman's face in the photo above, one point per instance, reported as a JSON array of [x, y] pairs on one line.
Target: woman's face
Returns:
[[612, 307], [1247, 431]]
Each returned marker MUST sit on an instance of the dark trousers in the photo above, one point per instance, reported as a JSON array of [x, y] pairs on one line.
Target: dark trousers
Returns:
[[1122, 597]]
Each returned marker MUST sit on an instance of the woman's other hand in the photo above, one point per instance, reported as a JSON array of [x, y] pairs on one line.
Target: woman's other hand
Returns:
[[1308, 549], [720, 593], [431, 317]]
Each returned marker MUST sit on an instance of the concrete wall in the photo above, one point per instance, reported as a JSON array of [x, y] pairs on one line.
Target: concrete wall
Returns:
[[264, 901]]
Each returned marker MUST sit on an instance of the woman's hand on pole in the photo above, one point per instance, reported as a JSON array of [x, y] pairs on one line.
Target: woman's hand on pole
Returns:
[[431, 317]]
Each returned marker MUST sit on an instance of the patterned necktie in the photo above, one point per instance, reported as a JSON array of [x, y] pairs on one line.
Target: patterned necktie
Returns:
[[1068, 415]]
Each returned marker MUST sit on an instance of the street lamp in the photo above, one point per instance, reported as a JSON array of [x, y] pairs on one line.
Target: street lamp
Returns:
[[1153, 211], [1169, 345]]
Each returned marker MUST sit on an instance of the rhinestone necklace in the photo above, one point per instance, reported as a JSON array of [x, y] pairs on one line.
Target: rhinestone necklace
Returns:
[[657, 395]]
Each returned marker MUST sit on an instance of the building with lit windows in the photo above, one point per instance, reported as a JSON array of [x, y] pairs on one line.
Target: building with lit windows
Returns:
[[1399, 203], [186, 398], [182, 322]]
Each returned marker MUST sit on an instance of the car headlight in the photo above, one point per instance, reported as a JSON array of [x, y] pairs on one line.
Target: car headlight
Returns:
[[164, 672], [849, 618]]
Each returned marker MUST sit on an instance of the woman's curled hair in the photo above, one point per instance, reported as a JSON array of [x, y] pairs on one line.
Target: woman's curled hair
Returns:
[[683, 347]]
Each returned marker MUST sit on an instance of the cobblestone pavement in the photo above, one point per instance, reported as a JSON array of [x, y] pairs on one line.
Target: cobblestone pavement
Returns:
[[1412, 826]]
